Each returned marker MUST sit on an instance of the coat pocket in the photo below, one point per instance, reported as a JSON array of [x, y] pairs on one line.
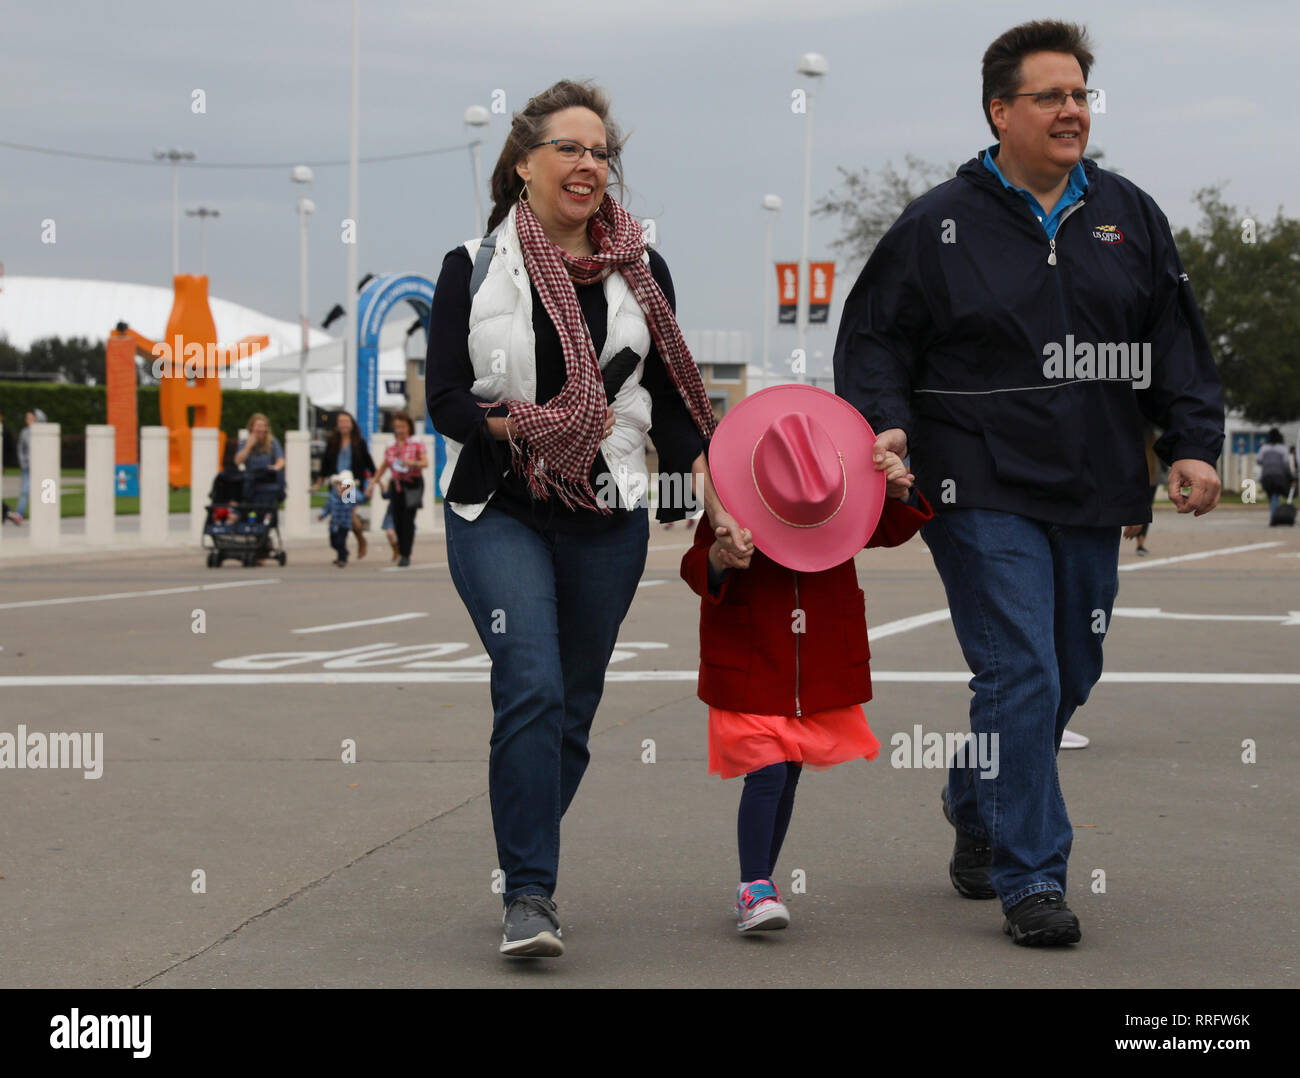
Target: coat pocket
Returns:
[[725, 636], [853, 629]]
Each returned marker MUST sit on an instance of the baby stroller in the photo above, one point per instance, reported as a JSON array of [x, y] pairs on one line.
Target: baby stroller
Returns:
[[244, 516]]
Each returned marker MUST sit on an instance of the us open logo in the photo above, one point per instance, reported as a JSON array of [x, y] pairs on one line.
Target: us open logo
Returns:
[[1108, 234]]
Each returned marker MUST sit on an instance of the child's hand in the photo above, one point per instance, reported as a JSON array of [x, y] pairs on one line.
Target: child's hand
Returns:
[[898, 480]]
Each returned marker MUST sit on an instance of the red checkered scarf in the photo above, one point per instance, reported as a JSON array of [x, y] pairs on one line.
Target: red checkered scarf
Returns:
[[564, 435]]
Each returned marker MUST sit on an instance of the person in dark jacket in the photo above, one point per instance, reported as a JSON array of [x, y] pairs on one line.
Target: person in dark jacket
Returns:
[[1014, 330], [346, 450]]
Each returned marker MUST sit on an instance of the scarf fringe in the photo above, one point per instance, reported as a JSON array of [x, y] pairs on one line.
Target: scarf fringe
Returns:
[[542, 484]]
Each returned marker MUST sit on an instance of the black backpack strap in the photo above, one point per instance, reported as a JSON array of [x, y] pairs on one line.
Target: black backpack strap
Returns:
[[482, 261]]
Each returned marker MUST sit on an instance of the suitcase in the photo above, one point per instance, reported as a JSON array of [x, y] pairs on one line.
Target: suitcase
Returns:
[[1283, 515]]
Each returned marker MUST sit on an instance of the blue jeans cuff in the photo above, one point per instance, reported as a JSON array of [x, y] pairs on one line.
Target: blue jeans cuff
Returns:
[[1026, 892]]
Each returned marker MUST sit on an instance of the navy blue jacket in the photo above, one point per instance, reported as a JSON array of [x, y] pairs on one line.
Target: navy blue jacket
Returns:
[[950, 324]]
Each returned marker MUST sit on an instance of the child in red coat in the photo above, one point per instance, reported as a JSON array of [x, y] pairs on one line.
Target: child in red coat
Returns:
[[784, 660]]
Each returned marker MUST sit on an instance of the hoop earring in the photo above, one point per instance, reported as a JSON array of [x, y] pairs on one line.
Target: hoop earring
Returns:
[[524, 195]]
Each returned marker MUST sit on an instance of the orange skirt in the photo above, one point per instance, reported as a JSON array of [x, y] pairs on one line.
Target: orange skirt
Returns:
[[740, 742]]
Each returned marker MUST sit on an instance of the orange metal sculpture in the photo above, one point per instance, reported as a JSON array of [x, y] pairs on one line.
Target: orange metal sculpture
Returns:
[[190, 364]]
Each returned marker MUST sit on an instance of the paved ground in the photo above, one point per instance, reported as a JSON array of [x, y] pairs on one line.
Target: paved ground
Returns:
[[222, 754]]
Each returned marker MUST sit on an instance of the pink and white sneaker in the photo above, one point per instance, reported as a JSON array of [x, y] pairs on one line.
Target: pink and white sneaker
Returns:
[[759, 907]]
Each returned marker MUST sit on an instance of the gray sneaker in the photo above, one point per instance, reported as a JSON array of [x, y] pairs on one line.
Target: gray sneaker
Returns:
[[530, 928]]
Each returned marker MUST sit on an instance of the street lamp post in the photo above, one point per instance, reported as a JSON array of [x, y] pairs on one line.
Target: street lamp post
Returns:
[[476, 116], [772, 204], [306, 207], [175, 156], [203, 213], [813, 66], [350, 366]]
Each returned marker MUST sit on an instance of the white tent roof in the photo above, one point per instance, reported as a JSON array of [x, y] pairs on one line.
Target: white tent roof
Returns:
[[35, 307]]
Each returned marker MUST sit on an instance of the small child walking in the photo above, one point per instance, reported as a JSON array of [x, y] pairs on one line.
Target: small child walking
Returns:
[[784, 659], [340, 505]]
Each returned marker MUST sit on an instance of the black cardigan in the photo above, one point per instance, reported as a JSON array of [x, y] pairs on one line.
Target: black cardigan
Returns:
[[363, 465], [455, 411]]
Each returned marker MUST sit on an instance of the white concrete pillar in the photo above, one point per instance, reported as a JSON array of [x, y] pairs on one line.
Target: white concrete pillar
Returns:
[[45, 500], [378, 506], [154, 487], [101, 500], [295, 521], [424, 519], [204, 466]]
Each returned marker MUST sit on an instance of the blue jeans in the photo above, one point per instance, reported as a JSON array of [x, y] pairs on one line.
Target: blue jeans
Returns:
[[1025, 598], [547, 608], [24, 492], [339, 541]]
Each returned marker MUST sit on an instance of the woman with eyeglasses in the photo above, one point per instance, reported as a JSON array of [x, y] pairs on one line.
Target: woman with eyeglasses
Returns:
[[553, 352]]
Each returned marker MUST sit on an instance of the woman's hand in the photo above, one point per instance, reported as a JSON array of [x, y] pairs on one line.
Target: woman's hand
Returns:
[[722, 558], [735, 539], [609, 422], [502, 428], [1132, 531]]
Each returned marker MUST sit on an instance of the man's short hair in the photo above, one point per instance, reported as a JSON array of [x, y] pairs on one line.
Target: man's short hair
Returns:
[[1002, 59]]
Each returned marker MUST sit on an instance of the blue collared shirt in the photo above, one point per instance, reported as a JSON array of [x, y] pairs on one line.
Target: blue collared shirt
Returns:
[[1073, 192]]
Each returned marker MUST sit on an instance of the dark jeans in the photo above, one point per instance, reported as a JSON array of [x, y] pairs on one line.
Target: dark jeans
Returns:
[[403, 523], [1027, 599], [547, 608], [339, 541]]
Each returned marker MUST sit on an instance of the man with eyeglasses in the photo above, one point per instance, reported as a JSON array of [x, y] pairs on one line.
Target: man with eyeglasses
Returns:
[[1014, 330]]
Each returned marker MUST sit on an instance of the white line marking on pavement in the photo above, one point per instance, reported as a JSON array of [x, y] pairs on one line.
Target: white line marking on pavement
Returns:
[[358, 624], [1194, 557], [414, 568], [1290, 618], [649, 583], [903, 625], [137, 594], [325, 678]]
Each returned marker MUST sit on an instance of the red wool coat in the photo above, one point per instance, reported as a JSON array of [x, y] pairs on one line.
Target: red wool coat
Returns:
[[751, 656]]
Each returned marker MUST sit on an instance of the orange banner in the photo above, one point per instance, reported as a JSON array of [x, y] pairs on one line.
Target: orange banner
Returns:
[[787, 292], [819, 301]]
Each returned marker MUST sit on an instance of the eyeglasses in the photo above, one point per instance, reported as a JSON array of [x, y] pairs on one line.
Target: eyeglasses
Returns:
[[573, 151], [1054, 100]]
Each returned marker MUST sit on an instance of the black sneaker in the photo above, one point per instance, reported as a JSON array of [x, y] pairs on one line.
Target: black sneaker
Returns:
[[971, 857], [1042, 920], [530, 928]]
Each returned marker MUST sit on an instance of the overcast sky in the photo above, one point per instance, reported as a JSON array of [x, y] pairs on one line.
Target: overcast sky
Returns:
[[1197, 93]]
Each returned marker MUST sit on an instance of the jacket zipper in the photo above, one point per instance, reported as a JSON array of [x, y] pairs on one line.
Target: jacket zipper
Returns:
[[1051, 254], [798, 711], [1051, 261]]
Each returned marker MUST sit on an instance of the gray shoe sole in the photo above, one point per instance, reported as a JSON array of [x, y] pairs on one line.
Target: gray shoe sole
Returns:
[[542, 945]]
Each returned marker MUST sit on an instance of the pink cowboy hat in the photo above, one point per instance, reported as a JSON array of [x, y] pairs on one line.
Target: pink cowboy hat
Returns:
[[793, 464]]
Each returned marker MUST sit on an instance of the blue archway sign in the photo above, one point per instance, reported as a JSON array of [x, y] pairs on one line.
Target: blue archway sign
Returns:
[[373, 306]]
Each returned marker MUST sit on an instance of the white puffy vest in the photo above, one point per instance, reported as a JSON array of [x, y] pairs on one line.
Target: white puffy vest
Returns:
[[503, 349]]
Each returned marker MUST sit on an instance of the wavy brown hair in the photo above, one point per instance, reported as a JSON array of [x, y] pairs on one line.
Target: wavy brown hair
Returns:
[[528, 128]]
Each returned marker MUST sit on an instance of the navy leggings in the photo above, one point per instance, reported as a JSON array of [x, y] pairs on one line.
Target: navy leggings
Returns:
[[765, 807]]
